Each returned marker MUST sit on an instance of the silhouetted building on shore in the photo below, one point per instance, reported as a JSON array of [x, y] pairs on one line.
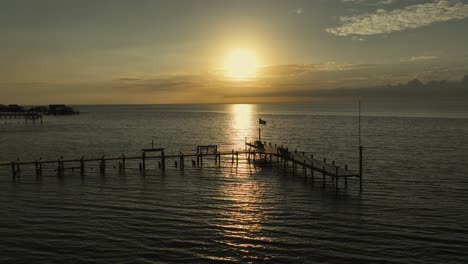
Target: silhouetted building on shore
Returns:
[[60, 109]]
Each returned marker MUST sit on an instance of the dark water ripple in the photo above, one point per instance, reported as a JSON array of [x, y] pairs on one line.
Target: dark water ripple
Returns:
[[413, 209]]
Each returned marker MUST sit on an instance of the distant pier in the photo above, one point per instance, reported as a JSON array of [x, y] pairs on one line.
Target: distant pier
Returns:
[[26, 116], [257, 154]]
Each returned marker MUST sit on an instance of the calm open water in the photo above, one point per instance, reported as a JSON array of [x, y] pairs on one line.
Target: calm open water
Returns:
[[414, 207]]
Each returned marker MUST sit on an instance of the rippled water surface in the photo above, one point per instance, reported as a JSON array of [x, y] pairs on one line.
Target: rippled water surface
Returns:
[[413, 208]]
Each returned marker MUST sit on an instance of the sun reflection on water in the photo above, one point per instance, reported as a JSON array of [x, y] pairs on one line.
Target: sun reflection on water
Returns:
[[241, 224], [242, 123]]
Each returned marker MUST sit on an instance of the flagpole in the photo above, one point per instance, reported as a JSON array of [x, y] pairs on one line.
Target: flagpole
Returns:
[[259, 133]]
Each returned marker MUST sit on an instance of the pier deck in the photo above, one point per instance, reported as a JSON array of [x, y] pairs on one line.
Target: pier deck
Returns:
[[300, 158], [29, 115], [256, 153]]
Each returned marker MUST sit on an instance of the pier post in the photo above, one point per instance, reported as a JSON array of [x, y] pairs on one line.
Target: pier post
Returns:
[[36, 164], [103, 165], [237, 158], [323, 176], [143, 161], [312, 165], [123, 163], [13, 169], [182, 164], [201, 159], [82, 166], [232, 157], [305, 169], [360, 168], [59, 168], [336, 175], [346, 177], [254, 157], [163, 161], [333, 164]]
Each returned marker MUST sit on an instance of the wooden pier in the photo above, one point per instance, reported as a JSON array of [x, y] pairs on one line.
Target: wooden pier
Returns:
[[257, 153], [26, 116], [318, 168]]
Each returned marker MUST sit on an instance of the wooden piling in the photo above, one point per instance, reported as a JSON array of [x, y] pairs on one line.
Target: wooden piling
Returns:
[[323, 176], [59, 168], [163, 161], [336, 175], [123, 163], [36, 165], [181, 160], [305, 169], [103, 165], [346, 177], [82, 166], [143, 161], [13, 169]]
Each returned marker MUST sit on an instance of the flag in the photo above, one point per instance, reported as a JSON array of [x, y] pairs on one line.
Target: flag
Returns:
[[261, 122]]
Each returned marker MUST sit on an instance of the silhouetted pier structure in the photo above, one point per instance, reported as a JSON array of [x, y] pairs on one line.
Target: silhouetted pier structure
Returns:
[[26, 116], [257, 154]]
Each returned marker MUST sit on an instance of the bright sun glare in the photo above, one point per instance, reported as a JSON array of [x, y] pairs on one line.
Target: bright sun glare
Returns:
[[240, 65]]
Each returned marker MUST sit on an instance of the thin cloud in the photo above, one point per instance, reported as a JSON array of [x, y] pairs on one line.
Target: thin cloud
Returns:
[[296, 11], [418, 58], [410, 17], [297, 69], [370, 2]]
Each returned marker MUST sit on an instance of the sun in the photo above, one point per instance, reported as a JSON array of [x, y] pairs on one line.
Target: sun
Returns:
[[240, 65]]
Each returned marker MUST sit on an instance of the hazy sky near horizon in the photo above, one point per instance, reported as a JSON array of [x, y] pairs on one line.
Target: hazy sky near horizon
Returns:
[[174, 51]]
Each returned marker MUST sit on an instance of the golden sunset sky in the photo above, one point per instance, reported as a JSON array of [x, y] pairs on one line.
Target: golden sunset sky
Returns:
[[119, 52]]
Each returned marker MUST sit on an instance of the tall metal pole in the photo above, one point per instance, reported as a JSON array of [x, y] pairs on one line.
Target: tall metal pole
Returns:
[[360, 150], [359, 123]]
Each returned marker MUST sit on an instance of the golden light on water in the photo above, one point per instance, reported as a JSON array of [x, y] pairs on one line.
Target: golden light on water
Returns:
[[240, 65], [242, 123], [242, 116]]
